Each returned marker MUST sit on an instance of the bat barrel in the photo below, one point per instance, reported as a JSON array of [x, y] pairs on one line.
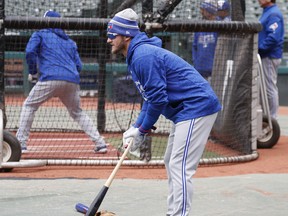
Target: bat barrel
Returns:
[[97, 202]]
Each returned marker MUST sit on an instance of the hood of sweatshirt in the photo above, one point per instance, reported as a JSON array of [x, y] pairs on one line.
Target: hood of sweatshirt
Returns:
[[60, 33], [140, 39]]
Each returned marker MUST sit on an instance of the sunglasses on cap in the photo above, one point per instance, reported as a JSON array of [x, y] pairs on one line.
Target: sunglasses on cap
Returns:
[[111, 36]]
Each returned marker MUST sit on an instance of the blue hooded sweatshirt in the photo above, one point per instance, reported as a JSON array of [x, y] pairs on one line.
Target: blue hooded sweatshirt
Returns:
[[271, 38], [55, 54], [169, 85], [203, 51]]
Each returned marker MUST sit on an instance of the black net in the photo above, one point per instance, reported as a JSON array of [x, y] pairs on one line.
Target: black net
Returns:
[[108, 94]]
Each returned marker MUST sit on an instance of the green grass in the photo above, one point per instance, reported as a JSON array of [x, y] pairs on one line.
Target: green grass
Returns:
[[159, 144]]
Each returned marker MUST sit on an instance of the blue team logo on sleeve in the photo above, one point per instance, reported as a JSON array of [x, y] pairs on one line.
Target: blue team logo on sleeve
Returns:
[[273, 27], [141, 90]]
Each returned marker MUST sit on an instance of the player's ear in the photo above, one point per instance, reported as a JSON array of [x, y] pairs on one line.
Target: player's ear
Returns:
[[127, 38]]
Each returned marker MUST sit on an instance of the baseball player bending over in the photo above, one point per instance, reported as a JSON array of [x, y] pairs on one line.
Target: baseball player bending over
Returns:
[[172, 87]]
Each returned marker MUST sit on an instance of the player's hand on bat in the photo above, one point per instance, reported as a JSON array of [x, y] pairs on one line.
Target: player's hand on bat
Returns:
[[105, 213], [125, 140], [136, 136]]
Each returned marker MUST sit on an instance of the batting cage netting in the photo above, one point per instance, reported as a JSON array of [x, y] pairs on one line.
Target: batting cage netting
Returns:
[[108, 94]]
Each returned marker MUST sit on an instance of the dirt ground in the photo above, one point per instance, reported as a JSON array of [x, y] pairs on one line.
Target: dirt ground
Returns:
[[270, 161]]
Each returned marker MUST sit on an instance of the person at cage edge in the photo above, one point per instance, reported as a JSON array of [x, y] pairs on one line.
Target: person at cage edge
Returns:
[[172, 87], [204, 43], [270, 49], [56, 56]]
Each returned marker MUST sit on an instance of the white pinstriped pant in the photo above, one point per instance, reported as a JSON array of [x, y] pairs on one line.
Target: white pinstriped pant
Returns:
[[68, 93], [186, 144], [270, 69]]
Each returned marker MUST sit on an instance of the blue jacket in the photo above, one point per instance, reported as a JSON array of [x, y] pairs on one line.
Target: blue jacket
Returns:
[[203, 50], [271, 38], [55, 55], [169, 85]]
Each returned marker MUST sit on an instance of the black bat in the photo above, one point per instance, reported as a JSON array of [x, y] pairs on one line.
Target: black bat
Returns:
[[93, 208]]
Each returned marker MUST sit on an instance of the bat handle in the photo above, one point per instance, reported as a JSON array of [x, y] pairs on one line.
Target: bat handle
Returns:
[[115, 170]]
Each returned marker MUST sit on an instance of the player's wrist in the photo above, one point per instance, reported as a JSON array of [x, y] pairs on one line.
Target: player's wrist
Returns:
[[143, 131]]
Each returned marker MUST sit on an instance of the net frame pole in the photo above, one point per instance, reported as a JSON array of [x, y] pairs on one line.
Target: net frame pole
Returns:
[[2, 49], [238, 10], [2, 61], [101, 116], [165, 9], [1, 138], [203, 161], [17, 22]]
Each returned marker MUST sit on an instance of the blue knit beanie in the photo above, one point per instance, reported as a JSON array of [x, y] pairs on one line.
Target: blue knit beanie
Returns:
[[124, 23], [51, 13], [209, 5]]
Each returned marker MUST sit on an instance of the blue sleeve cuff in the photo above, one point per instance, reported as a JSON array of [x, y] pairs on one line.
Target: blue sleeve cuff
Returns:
[[143, 131]]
